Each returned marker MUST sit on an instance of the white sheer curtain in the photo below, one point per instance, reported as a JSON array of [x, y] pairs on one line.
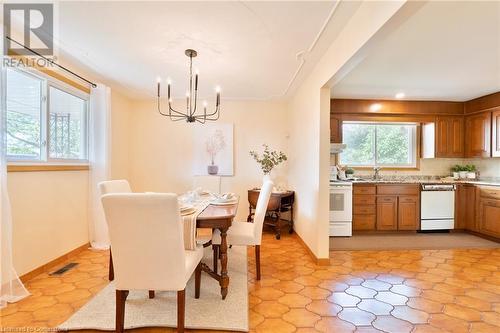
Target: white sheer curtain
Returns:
[[99, 158], [11, 288]]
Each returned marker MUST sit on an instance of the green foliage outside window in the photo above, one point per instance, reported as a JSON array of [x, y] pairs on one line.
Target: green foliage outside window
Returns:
[[378, 144]]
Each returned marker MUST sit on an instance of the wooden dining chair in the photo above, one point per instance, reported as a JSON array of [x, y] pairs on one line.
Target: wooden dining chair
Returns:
[[148, 248], [107, 187], [247, 233]]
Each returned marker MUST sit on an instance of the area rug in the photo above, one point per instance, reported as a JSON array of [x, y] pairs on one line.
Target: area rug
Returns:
[[419, 241], [207, 312]]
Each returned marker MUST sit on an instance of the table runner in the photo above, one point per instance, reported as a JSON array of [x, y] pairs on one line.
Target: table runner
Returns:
[[189, 223]]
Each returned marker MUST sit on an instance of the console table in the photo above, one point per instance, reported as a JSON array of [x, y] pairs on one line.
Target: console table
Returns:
[[279, 202]]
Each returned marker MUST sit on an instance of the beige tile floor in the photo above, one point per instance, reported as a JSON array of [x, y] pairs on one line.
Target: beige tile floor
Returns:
[[454, 290]]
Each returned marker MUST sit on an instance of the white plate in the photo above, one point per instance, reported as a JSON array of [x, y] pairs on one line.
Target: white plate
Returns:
[[223, 203]]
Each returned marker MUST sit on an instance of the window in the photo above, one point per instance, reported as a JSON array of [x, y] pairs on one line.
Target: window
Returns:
[[24, 116], [46, 120], [379, 144]]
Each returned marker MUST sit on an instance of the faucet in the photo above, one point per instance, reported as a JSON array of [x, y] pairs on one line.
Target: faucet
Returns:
[[376, 171]]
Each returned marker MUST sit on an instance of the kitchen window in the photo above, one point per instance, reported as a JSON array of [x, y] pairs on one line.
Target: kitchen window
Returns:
[[379, 144], [46, 120]]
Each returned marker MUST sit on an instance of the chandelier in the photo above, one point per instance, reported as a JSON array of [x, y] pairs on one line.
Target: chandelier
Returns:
[[191, 99]]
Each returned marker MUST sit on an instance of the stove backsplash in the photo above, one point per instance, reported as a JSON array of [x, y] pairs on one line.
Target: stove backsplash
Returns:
[[488, 167]]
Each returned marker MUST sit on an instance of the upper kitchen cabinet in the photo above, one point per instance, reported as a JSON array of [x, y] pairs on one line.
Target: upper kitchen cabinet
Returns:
[[449, 136], [481, 138], [478, 135], [444, 137], [335, 129], [495, 119]]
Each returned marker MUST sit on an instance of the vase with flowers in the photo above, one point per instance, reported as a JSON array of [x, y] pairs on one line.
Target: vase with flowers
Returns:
[[269, 160], [214, 145]]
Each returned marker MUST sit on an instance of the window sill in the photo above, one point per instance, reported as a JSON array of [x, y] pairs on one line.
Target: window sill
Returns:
[[45, 167]]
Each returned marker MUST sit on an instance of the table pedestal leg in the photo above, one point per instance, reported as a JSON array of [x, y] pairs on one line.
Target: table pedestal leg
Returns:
[[224, 279]]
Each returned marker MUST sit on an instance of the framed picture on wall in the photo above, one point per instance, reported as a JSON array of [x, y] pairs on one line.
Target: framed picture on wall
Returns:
[[213, 149]]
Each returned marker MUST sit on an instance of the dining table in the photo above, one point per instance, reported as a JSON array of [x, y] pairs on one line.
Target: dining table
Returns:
[[213, 216], [218, 217]]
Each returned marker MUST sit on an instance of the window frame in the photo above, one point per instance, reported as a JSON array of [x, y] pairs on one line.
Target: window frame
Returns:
[[46, 83], [414, 146]]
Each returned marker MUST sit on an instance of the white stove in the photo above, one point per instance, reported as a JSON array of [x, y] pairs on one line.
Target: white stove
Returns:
[[340, 208]]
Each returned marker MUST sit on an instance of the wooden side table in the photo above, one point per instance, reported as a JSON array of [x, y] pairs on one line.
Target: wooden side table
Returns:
[[279, 202]]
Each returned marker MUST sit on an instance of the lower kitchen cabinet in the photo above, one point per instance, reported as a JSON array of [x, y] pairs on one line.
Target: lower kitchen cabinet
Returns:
[[386, 207], [465, 207], [488, 215], [364, 209], [408, 212], [363, 222], [387, 213]]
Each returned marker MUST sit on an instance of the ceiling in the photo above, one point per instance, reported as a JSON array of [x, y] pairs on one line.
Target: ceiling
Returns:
[[249, 48], [445, 51]]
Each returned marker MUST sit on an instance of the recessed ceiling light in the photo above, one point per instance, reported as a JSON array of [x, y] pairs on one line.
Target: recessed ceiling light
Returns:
[[375, 107], [400, 95]]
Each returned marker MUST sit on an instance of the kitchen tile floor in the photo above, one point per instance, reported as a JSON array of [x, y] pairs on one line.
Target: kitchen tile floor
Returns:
[[454, 290]]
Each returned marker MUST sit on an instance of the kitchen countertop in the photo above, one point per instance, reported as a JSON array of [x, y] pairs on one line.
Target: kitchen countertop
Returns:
[[428, 180]]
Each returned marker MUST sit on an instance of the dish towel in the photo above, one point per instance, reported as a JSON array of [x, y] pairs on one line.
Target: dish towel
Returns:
[[189, 222]]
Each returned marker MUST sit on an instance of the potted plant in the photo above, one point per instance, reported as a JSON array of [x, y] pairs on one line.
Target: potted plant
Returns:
[[349, 172], [471, 171], [268, 160], [214, 145], [456, 169], [463, 172]]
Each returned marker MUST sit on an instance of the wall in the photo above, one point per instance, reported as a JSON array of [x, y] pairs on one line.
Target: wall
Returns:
[[308, 119], [49, 209], [161, 151]]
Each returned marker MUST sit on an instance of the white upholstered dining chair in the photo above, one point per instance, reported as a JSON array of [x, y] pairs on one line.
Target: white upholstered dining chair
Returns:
[[247, 233], [148, 248], [114, 186], [107, 187]]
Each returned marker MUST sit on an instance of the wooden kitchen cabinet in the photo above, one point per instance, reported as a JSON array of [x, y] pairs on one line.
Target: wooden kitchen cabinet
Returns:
[[465, 207], [398, 207], [478, 135], [488, 215], [449, 136], [387, 213], [386, 207], [408, 212], [335, 129], [495, 133], [364, 209]]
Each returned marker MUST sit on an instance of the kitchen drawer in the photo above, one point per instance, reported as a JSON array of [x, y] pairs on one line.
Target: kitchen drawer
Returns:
[[364, 209], [408, 199], [413, 189], [363, 200], [489, 192], [363, 189], [363, 222]]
